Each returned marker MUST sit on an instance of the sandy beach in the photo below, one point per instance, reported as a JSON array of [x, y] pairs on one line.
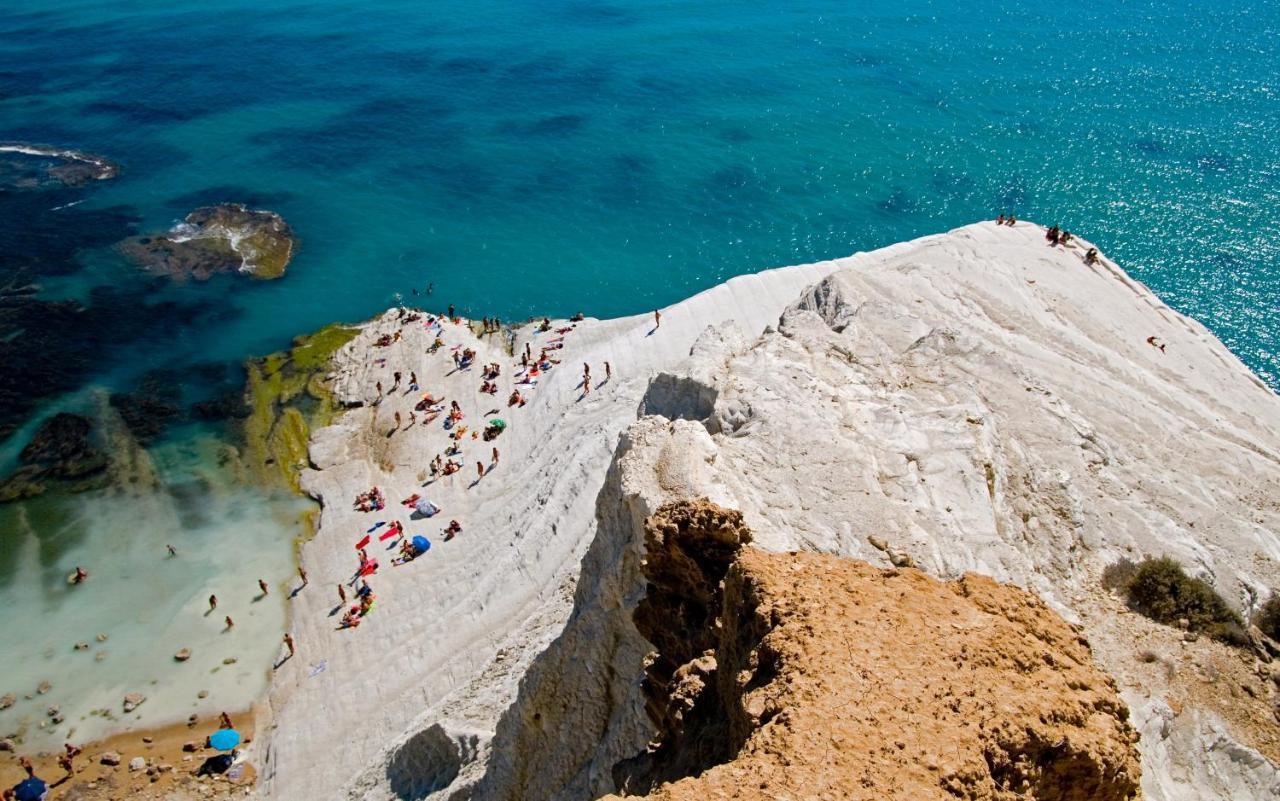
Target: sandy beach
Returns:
[[169, 770]]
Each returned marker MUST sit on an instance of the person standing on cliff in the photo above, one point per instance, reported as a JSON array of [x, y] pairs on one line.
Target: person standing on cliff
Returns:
[[342, 594], [608, 371], [302, 574], [657, 319], [288, 641], [262, 585]]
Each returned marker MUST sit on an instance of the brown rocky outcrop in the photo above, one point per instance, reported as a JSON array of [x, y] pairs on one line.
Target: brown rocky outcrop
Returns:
[[803, 675]]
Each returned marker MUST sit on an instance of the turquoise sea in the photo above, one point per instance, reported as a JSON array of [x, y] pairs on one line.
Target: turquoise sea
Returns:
[[605, 156]]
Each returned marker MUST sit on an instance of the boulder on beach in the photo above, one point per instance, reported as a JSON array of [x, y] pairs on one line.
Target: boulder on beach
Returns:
[[217, 239]]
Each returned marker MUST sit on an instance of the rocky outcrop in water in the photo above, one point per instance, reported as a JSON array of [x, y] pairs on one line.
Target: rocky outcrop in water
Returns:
[[62, 452], [26, 167], [810, 675], [217, 239]]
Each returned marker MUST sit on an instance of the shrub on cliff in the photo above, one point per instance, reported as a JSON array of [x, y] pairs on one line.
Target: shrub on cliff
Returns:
[[1268, 619], [1160, 589]]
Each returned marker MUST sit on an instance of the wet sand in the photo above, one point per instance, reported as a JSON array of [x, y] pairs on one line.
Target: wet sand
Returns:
[[170, 771]]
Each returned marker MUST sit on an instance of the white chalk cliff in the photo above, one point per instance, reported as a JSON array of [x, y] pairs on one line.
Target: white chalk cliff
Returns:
[[972, 401]]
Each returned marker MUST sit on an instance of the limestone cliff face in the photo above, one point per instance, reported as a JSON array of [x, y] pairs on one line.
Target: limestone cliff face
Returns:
[[816, 676], [974, 402]]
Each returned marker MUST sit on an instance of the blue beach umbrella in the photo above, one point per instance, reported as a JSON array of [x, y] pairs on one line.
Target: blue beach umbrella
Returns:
[[421, 543], [224, 739], [32, 789]]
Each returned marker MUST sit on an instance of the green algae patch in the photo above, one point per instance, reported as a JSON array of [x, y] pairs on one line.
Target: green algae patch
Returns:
[[314, 352], [288, 399]]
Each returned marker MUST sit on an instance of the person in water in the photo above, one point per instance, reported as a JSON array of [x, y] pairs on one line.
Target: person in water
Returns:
[[262, 585], [79, 576]]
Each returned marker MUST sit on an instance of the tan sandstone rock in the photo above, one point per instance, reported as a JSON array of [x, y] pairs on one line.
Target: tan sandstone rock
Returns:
[[830, 678]]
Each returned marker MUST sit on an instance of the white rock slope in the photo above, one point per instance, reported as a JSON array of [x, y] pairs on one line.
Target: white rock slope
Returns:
[[973, 401]]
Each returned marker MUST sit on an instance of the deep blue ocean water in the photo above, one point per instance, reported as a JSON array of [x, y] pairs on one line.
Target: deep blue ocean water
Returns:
[[553, 156], [610, 157]]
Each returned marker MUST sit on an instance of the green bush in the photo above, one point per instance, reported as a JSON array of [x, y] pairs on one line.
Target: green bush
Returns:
[[1161, 590], [1269, 617]]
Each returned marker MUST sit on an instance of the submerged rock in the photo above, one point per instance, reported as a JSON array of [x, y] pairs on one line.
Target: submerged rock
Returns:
[[35, 167], [133, 700], [217, 239], [62, 452]]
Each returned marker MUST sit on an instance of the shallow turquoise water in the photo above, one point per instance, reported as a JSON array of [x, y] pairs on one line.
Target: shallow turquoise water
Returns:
[[610, 157]]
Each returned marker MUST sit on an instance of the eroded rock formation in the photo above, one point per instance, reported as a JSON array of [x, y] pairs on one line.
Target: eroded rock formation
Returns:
[[816, 676]]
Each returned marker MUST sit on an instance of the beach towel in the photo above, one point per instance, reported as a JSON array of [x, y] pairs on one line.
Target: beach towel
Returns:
[[363, 543], [394, 532]]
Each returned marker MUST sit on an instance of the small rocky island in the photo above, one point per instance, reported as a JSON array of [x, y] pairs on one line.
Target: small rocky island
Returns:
[[229, 237]]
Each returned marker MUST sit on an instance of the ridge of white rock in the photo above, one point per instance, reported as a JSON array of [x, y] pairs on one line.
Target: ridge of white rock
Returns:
[[974, 401]]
